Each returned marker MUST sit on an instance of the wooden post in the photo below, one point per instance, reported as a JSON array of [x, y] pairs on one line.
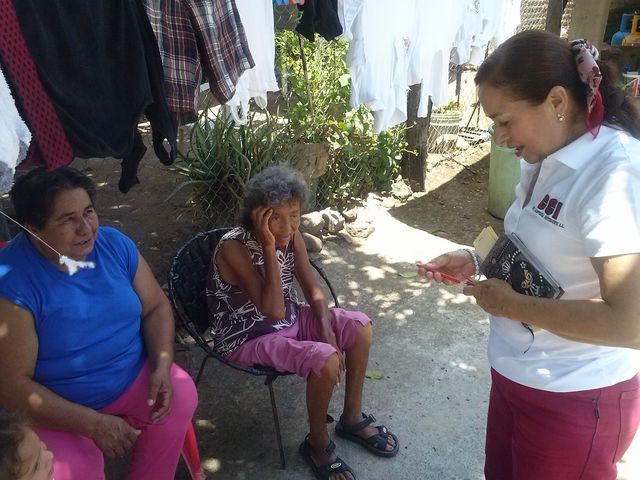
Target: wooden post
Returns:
[[414, 162], [588, 20], [303, 56], [555, 10]]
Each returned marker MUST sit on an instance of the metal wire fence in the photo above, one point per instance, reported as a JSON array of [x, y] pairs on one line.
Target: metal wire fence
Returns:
[[461, 122]]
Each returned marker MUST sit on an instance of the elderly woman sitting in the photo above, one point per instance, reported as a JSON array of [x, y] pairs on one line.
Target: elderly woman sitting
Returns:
[[256, 318], [88, 357]]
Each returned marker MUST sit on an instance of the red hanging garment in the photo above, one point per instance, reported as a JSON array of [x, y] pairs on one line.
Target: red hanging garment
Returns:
[[49, 144]]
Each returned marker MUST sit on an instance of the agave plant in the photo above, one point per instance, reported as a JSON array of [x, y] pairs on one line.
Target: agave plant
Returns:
[[223, 156]]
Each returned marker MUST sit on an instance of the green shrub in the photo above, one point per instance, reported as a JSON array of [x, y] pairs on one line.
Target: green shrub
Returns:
[[318, 109]]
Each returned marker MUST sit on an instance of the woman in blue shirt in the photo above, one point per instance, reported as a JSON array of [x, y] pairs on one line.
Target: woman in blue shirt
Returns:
[[88, 357]]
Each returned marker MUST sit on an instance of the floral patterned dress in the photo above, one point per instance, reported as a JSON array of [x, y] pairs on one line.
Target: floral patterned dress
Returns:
[[234, 318]]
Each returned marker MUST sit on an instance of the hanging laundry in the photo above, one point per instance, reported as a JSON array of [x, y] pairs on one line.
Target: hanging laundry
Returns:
[[288, 2], [500, 19], [471, 25], [49, 145], [319, 16], [195, 36], [378, 59], [406, 42], [348, 11], [99, 63], [257, 19], [459, 25], [14, 137], [439, 24]]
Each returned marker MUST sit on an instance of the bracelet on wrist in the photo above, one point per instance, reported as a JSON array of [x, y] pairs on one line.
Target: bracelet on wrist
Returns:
[[475, 259]]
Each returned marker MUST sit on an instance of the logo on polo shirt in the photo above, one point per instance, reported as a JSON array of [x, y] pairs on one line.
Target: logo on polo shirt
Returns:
[[549, 209]]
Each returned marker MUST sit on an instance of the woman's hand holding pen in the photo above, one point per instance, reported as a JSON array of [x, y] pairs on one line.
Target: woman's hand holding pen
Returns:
[[449, 268]]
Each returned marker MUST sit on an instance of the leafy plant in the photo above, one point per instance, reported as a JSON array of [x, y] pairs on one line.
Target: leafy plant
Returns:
[[317, 88], [449, 107], [222, 157], [318, 91], [363, 162]]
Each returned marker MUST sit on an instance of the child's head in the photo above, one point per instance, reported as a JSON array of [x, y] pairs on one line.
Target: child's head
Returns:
[[22, 455]]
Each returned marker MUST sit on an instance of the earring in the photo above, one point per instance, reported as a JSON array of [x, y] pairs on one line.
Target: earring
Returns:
[[560, 117]]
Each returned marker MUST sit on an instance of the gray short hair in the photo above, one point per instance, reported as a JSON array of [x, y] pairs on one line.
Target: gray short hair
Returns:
[[271, 186]]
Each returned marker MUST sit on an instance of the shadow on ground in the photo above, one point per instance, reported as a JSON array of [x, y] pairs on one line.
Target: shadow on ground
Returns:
[[455, 205]]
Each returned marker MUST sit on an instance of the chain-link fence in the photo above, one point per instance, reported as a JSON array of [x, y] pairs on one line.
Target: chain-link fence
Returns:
[[312, 111], [461, 122]]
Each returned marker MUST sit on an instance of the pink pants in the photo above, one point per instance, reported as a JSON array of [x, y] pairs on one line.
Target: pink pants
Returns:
[[534, 434], [156, 452], [298, 349]]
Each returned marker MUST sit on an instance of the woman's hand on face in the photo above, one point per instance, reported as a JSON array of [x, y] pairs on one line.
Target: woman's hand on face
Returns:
[[493, 296], [160, 393], [113, 435], [457, 263], [260, 217]]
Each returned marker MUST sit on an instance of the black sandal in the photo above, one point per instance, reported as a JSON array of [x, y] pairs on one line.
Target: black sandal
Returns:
[[376, 444], [324, 472]]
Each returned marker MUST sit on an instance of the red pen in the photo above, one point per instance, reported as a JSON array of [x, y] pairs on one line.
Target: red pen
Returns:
[[451, 278]]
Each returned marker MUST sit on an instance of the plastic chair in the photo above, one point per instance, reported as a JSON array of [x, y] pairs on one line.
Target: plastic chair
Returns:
[[191, 455], [187, 292]]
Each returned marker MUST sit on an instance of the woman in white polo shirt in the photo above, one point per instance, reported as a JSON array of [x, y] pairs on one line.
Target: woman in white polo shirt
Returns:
[[565, 398]]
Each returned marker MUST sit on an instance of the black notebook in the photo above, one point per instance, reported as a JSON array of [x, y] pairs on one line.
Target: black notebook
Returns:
[[510, 260]]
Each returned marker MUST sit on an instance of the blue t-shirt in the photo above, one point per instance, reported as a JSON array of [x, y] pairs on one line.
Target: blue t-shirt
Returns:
[[90, 347]]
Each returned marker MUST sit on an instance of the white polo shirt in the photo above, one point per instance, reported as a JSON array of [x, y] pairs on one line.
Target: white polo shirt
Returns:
[[585, 203]]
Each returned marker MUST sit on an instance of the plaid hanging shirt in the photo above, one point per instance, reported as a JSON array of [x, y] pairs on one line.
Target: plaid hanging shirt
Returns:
[[195, 36]]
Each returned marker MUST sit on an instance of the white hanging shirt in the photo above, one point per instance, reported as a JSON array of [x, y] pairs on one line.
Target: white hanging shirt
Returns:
[[465, 25], [585, 203], [438, 26], [348, 10], [500, 18], [14, 136], [406, 42], [257, 19], [470, 27], [378, 56]]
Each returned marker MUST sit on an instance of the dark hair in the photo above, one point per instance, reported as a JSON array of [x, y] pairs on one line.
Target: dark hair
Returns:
[[529, 64], [271, 186], [33, 194], [12, 434]]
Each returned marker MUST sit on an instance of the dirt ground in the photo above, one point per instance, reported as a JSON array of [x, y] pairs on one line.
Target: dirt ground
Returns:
[[429, 340]]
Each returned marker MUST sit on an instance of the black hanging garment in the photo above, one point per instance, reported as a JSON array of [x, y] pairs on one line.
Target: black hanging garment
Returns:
[[98, 60], [319, 16]]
